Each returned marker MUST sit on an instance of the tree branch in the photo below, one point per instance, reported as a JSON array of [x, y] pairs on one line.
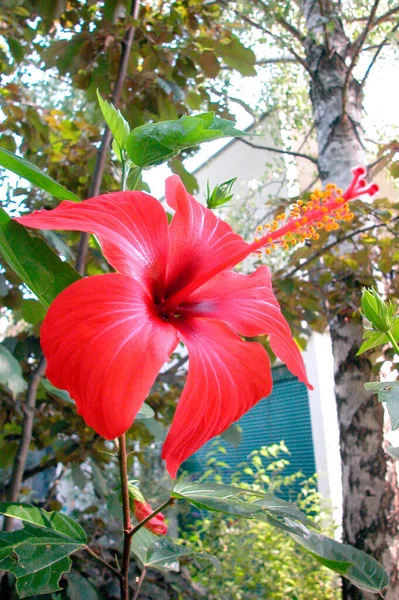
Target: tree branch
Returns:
[[278, 151], [276, 59], [358, 46], [329, 246], [246, 19], [106, 139], [14, 486], [326, 40], [379, 49]]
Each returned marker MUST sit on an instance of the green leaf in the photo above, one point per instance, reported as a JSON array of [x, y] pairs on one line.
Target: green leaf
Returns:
[[362, 570], [373, 339], [11, 372], [220, 194], [39, 553], [145, 412], [33, 311], [392, 451], [155, 143], [116, 122], [34, 175], [62, 394], [80, 588], [161, 553], [388, 392], [236, 56], [239, 502], [233, 435], [33, 261], [393, 410], [188, 179]]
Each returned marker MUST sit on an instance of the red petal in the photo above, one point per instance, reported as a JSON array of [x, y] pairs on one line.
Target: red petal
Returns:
[[248, 305], [226, 377], [132, 228], [105, 346], [201, 245]]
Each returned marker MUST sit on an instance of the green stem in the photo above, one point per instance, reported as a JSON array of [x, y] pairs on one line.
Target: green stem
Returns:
[[393, 341], [127, 524], [125, 175], [98, 558], [151, 516], [136, 178]]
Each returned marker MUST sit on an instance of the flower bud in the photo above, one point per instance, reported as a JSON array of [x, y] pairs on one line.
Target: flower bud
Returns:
[[381, 314], [157, 524], [220, 194]]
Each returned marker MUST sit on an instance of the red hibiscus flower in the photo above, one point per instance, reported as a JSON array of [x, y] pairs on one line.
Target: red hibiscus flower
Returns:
[[106, 337], [157, 524]]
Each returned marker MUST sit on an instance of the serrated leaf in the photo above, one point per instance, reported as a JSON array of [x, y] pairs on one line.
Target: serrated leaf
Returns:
[[163, 554], [39, 553], [43, 581], [115, 120], [360, 568], [55, 521], [34, 175], [11, 372], [33, 261], [155, 143]]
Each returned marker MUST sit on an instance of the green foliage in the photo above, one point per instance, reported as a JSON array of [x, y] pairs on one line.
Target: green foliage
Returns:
[[116, 122], [33, 261], [231, 500], [11, 372], [362, 570], [220, 194], [34, 175], [258, 559], [155, 143], [388, 392], [155, 552], [379, 313], [39, 553]]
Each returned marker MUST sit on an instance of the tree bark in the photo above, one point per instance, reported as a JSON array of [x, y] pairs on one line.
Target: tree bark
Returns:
[[370, 492]]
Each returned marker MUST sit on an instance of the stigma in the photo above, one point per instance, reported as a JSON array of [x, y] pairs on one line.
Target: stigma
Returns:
[[324, 211]]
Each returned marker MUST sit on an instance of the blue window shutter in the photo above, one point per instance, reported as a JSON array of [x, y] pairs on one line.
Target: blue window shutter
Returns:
[[284, 415]]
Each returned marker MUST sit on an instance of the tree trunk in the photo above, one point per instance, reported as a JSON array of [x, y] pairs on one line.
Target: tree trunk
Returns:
[[370, 493]]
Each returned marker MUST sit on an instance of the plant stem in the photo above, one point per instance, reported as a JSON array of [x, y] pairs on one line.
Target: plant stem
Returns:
[[26, 437], [106, 139], [98, 558], [151, 516], [393, 341], [136, 178], [140, 583], [127, 524]]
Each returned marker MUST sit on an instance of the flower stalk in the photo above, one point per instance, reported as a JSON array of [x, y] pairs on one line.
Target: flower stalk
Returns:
[[127, 524]]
